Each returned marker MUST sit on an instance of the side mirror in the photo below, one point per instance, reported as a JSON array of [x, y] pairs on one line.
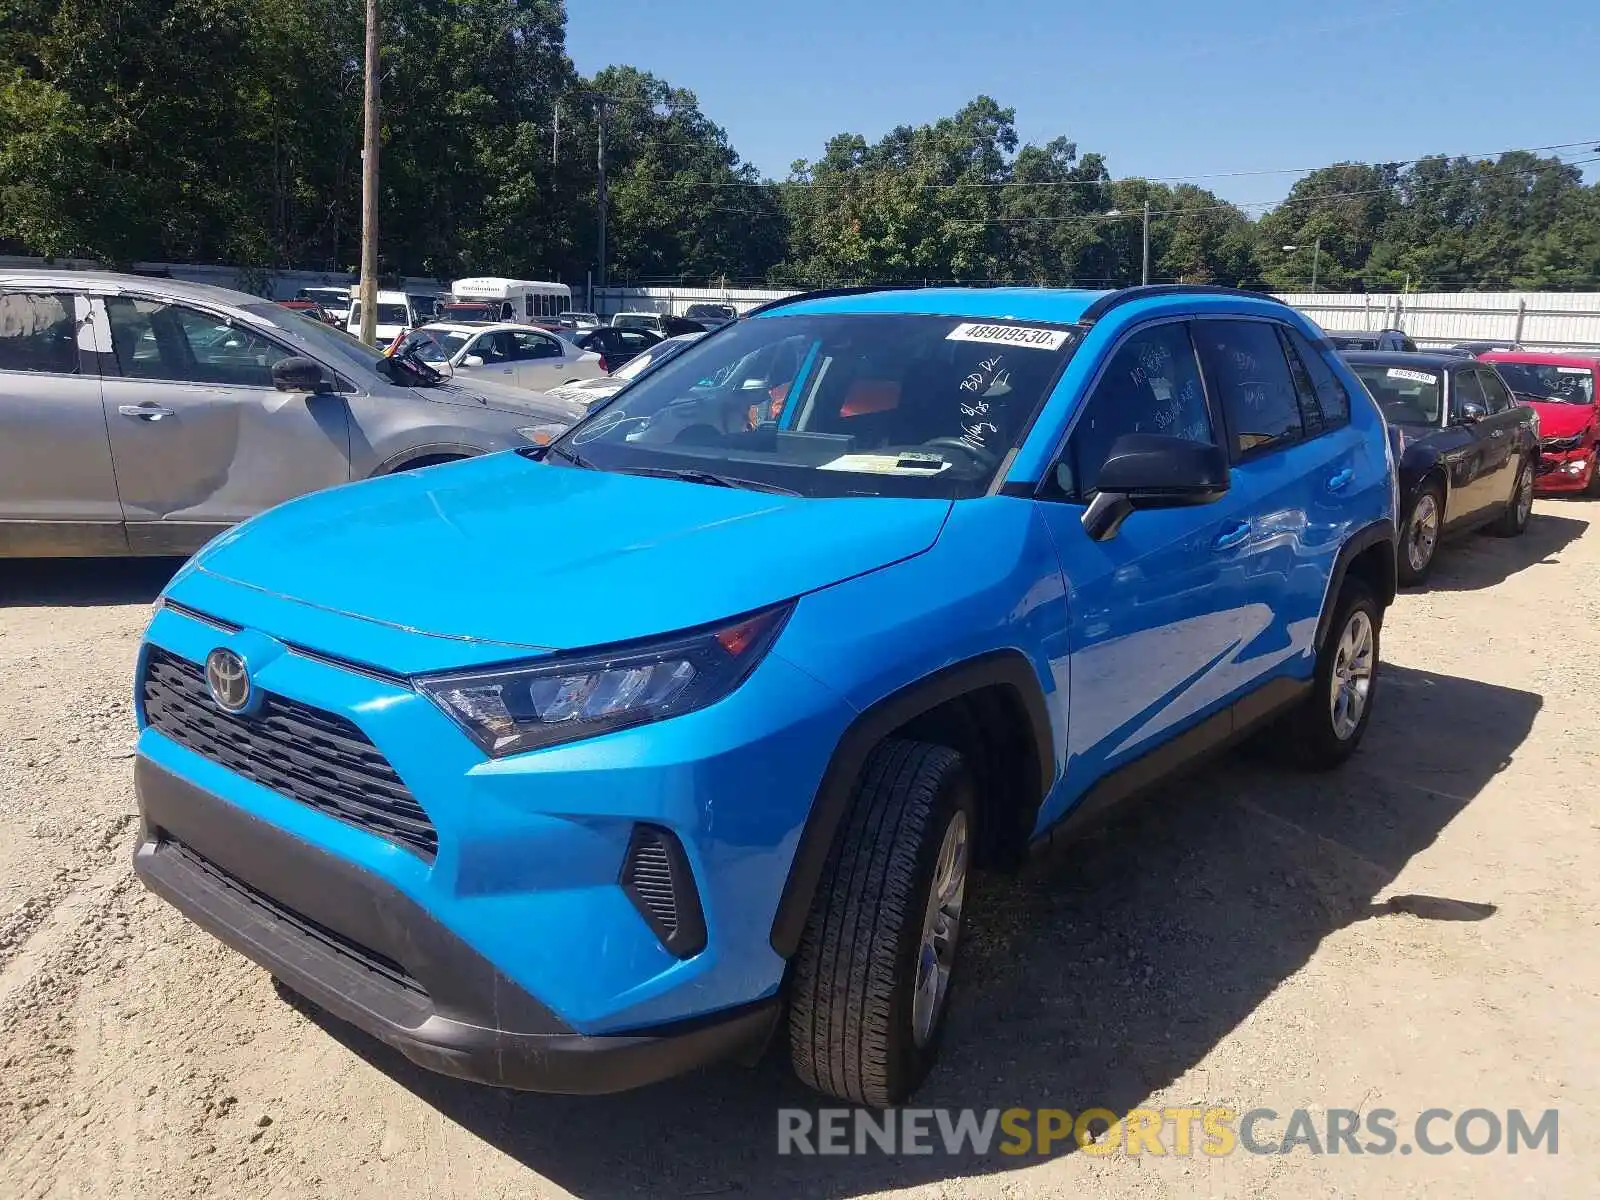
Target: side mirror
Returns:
[[1470, 413], [1152, 470], [298, 375], [472, 360]]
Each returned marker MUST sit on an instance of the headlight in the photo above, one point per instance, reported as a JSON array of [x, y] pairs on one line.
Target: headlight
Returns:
[[567, 697], [543, 435]]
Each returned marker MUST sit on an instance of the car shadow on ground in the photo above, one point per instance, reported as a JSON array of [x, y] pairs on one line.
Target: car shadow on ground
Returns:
[[75, 582], [1480, 560], [1095, 979]]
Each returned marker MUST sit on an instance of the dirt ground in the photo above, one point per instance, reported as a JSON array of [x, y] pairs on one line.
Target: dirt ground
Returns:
[[1421, 930]]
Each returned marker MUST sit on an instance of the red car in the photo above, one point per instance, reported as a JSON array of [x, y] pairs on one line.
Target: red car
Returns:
[[1562, 389]]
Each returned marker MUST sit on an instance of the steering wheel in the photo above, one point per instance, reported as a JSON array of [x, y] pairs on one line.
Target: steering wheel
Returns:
[[984, 458]]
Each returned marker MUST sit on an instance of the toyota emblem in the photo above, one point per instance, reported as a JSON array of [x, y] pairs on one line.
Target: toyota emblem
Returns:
[[228, 680]]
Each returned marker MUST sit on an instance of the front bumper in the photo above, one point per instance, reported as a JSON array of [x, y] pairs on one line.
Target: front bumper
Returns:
[[1565, 470], [369, 955]]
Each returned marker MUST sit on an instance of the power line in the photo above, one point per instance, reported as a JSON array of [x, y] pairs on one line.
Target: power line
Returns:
[[870, 172]]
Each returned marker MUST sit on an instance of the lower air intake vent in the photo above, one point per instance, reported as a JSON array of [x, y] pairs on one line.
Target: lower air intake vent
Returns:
[[657, 878]]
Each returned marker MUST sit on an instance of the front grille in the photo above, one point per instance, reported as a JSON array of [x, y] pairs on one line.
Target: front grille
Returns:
[[1559, 444], [358, 955], [316, 757]]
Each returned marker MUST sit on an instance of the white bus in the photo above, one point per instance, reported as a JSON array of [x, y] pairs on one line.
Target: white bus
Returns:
[[506, 300]]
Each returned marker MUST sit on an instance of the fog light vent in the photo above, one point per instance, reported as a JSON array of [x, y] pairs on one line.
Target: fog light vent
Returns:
[[657, 879]]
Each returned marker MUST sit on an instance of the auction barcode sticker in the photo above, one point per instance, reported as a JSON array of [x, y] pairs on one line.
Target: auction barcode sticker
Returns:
[[1027, 336], [1572, 370], [1413, 376]]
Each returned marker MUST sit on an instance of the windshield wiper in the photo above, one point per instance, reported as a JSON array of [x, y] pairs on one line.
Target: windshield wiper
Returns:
[[691, 475], [572, 456]]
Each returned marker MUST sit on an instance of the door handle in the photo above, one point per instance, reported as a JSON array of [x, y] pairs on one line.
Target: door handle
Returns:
[[1229, 538], [145, 412], [1341, 480]]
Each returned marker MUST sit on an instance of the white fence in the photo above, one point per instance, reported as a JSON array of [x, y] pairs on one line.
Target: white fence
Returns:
[[1538, 320], [675, 301], [1567, 321]]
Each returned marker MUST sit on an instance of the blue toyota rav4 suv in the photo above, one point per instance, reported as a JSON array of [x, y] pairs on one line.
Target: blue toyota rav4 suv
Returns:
[[572, 768]]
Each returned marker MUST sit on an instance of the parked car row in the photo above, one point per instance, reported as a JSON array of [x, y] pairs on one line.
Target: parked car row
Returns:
[[1477, 437]]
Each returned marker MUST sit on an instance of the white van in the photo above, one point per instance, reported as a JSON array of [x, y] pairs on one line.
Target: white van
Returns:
[[395, 316], [493, 299]]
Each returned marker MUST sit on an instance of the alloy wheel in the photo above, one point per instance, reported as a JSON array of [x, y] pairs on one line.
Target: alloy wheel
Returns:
[[941, 929], [1352, 675]]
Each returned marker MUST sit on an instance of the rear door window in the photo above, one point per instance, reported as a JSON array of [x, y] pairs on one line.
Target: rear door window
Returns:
[[1249, 376]]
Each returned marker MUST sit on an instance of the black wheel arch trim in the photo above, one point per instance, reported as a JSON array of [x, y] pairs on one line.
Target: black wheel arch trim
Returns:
[[1010, 667], [1375, 534], [412, 454]]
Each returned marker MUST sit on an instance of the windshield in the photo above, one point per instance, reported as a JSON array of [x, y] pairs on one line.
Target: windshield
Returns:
[[1407, 397], [432, 345], [1547, 383], [320, 336], [635, 321], [1349, 341], [834, 405], [388, 314], [652, 357]]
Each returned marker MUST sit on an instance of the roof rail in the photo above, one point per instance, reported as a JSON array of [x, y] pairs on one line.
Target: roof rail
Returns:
[[824, 293], [1146, 291]]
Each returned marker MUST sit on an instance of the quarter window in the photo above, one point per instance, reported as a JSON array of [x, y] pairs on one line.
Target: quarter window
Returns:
[[38, 332], [1332, 399], [1151, 385], [1250, 376]]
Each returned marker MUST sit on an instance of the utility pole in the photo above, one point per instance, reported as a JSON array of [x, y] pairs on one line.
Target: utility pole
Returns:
[[600, 184], [1146, 276], [369, 186], [1316, 261], [555, 137]]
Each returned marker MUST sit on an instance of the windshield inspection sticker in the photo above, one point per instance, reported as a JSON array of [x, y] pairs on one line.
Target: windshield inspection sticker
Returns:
[[1413, 376], [888, 464], [1025, 336]]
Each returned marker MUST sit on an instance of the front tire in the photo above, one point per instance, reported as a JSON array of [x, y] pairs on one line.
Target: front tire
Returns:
[[872, 975], [1328, 725], [1419, 538], [1593, 490], [1514, 521]]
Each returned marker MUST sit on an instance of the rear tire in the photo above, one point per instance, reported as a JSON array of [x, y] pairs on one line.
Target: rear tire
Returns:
[[887, 915], [1329, 723], [1514, 521], [1419, 534]]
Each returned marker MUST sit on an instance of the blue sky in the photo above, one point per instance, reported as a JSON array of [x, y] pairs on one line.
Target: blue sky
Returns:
[[1182, 88]]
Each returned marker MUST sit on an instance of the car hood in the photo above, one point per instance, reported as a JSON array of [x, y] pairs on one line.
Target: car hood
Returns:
[[474, 393], [534, 557], [1562, 420]]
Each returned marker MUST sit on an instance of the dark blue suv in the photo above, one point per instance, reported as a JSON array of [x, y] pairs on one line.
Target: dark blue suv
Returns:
[[575, 767]]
